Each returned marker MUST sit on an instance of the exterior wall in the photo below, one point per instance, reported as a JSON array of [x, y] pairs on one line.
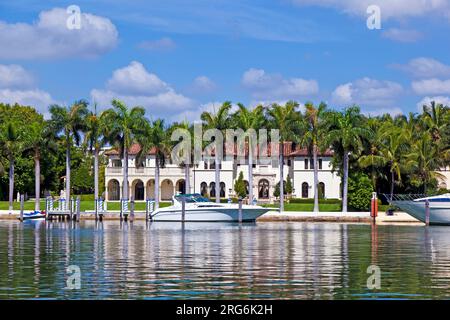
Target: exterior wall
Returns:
[[172, 178], [301, 175], [444, 182]]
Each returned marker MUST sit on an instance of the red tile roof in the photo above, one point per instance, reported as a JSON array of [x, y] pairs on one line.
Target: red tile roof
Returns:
[[133, 150], [287, 150]]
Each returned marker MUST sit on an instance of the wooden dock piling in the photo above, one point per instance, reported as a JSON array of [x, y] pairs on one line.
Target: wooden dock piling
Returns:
[[183, 209], [240, 210]]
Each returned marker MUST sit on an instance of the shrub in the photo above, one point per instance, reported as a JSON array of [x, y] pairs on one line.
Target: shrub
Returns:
[[239, 186], [360, 191], [309, 201]]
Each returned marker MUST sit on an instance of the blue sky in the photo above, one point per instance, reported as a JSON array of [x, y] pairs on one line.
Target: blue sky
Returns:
[[180, 57]]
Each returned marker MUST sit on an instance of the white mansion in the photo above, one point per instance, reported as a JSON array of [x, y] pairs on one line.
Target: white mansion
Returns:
[[298, 165]]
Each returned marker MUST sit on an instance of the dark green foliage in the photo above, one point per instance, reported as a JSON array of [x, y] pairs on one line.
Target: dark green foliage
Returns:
[[239, 186], [360, 191]]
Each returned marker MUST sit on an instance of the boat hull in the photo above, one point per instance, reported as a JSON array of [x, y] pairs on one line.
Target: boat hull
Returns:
[[205, 215], [439, 212]]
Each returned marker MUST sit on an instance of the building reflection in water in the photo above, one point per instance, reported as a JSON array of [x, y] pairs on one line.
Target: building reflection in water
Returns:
[[213, 260]]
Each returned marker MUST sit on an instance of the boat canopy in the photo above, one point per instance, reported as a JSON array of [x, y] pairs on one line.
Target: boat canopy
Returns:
[[191, 198]]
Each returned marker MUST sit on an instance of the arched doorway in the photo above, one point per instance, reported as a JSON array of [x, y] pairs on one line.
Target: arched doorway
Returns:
[[263, 189], [113, 190], [204, 189], [212, 189], [305, 190], [181, 186], [321, 190], [138, 190], [151, 189], [222, 189], [166, 190]]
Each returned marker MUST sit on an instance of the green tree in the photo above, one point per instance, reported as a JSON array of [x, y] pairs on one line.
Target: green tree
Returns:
[[239, 186], [360, 191], [287, 120], [249, 120], [313, 139], [346, 130], [124, 125], [94, 140], [70, 121], [219, 121], [154, 136]]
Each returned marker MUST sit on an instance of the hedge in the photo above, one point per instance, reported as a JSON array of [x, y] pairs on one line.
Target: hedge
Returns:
[[309, 201]]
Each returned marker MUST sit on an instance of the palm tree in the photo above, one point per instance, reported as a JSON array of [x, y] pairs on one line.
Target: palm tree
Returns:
[[391, 153], [40, 137], [423, 160], [122, 127], [184, 125], [11, 144], [436, 120], [94, 140], [250, 120], [220, 121], [346, 130], [71, 122], [286, 119], [313, 139], [154, 136]]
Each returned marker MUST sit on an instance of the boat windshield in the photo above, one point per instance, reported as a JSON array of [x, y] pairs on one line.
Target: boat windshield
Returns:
[[191, 198]]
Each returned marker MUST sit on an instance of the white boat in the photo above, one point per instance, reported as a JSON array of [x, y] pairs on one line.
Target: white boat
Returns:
[[439, 208], [200, 209], [33, 215]]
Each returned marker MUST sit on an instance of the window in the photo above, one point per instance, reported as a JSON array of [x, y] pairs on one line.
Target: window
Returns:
[[312, 163], [263, 189], [222, 189], [204, 189], [305, 190], [321, 190], [289, 163], [212, 165], [205, 163], [320, 164], [306, 164], [212, 189], [117, 163]]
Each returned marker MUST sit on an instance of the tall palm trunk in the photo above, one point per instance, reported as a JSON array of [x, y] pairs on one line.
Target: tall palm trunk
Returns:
[[11, 184], [281, 178], [156, 183], [316, 180], [96, 180], [217, 173], [250, 174], [345, 183], [125, 174], [392, 183], [67, 174], [37, 181], [187, 186]]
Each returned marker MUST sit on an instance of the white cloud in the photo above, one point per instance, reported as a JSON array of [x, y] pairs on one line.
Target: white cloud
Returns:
[[366, 91], [49, 37], [389, 8], [431, 86], [15, 76], [163, 44], [16, 86], [438, 99], [425, 68], [402, 35], [134, 79], [35, 98], [273, 86], [136, 86], [204, 84]]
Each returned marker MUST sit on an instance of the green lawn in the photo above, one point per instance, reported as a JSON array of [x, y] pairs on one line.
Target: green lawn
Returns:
[[306, 207], [85, 205]]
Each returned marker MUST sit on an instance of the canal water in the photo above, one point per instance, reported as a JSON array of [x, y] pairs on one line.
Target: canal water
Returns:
[[41, 260]]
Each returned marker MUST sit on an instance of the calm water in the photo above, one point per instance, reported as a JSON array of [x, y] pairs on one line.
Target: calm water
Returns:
[[265, 260]]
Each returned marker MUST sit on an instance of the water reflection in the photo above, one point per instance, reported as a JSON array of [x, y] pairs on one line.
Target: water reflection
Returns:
[[202, 260]]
